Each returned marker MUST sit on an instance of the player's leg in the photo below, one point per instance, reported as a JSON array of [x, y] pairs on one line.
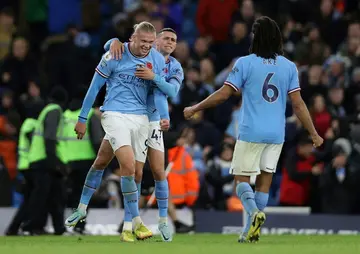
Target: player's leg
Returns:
[[92, 182], [268, 163], [245, 163], [157, 164], [127, 229], [140, 144]]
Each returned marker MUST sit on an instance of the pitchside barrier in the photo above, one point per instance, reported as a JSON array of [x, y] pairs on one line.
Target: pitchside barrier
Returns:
[[280, 220]]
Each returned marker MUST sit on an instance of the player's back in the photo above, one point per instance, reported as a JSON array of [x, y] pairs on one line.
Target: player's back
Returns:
[[265, 86], [125, 92]]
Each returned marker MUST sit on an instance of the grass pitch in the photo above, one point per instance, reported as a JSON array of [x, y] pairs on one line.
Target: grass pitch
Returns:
[[182, 244]]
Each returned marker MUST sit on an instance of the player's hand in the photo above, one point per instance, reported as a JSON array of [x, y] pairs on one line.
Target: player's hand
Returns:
[[317, 140], [164, 124], [189, 112], [80, 129], [116, 49], [144, 73]]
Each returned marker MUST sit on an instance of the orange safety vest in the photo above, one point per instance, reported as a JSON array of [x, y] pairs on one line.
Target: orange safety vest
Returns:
[[183, 178]]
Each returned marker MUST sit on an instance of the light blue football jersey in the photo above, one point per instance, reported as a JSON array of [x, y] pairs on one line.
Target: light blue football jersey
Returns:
[[175, 75], [125, 92], [265, 85]]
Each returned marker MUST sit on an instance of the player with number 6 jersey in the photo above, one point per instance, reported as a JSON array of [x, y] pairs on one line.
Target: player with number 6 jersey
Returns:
[[266, 79]]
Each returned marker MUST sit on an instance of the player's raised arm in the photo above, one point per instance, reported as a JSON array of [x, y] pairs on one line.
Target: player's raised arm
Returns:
[[233, 83], [301, 110]]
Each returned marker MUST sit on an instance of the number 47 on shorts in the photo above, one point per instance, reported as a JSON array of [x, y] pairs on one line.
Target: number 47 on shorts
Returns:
[[156, 134]]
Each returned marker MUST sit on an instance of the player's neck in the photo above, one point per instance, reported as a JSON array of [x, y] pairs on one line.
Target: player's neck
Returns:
[[135, 51], [166, 57]]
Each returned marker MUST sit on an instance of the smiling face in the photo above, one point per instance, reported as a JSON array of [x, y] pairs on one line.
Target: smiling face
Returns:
[[143, 42], [166, 42]]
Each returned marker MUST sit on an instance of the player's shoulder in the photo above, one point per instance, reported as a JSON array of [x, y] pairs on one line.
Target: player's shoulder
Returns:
[[285, 62], [157, 56], [174, 61], [106, 57], [246, 60]]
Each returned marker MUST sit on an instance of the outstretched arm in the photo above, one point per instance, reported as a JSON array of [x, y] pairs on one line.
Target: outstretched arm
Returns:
[[213, 100]]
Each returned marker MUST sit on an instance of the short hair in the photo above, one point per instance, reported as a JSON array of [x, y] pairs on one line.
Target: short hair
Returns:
[[167, 29], [144, 27], [267, 41]]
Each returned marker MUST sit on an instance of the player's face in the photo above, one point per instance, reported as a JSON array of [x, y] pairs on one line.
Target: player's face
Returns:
[[143, 42], [166, 43]]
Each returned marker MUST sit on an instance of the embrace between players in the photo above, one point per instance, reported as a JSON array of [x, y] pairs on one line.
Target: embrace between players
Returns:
[[138, 79]]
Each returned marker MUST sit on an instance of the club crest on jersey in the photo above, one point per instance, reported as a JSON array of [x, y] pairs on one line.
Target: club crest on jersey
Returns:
[[165, 70], [107, 56], [149, 65]]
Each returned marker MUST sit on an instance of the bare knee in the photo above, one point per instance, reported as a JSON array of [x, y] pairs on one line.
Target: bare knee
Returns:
[[102, 161], [156, 161], [126, 160], [138, 175], [104, 156], [127, 167], [158, 174]]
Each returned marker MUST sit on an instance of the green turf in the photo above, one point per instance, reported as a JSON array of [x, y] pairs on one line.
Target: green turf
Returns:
[[182, 244]]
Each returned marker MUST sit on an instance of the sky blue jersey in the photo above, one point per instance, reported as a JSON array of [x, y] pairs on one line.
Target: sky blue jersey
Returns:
[[170, 86], [265, 84], [174, 76], [125, 93]]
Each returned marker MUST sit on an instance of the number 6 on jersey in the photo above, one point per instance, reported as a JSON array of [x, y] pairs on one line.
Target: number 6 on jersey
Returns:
[[267, 88]]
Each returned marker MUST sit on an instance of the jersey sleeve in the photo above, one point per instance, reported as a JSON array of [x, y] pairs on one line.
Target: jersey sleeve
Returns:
[[176, 73], [235, 78], [294, 84], [106, 65]]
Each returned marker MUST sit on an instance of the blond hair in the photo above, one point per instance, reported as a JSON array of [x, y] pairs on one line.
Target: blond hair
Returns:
[[144, 27]]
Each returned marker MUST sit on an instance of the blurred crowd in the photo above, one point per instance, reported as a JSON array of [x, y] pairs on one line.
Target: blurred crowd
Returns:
[[50, 43]]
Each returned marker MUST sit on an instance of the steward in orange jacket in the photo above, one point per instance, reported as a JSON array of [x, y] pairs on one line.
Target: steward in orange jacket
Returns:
[[183, 178]]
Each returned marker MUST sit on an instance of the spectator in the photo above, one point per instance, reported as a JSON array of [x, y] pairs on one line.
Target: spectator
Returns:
[[19, 68], [7, 29], [219, 178], [320, 115], [208, 19], [193, 89], [336, 99], [245, 14], [207, 73], [339, 180], [182, 53], [299, 168], [311, 50], [312, 84], [171, 13], [237, 46]]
